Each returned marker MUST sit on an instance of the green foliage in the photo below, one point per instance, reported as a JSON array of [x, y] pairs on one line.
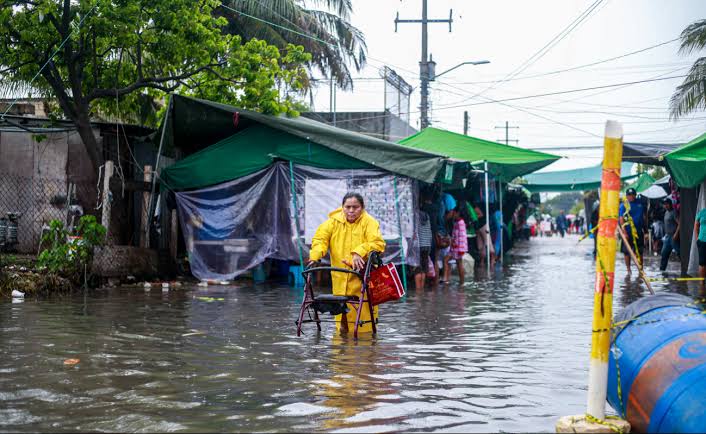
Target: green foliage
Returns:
[[69, 257], [564, 201], [576, 208], [690, 96], [127, 54], [655, 172], [322, 27]]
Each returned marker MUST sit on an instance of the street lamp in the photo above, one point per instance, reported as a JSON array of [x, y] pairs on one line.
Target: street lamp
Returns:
[[433, 76]]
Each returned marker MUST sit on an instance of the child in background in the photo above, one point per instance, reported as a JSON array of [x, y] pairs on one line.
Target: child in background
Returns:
[[424, 250], [459, 247]]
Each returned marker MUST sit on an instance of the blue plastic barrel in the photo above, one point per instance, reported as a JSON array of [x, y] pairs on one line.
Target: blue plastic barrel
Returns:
[[659, 359]]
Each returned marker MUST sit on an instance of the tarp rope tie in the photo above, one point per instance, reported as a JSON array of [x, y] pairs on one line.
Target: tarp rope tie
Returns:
[[613, 427], [399, 228], [296, 216]]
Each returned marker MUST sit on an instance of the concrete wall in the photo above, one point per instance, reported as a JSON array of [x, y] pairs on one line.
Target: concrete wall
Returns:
[[381, 125]]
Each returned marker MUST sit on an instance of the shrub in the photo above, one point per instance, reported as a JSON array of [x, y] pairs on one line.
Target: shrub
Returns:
[[70, 255]]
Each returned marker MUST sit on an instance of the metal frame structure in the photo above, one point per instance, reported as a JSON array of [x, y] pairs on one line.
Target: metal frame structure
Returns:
[[311, 300]]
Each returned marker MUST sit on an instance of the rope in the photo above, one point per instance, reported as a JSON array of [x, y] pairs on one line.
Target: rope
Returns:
[[613, 427], [587, 234], [633, 230], [296, 215], [619, 324], [399, 228]]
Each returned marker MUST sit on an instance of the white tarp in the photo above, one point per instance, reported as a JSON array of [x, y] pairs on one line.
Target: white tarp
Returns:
[[693, 268]]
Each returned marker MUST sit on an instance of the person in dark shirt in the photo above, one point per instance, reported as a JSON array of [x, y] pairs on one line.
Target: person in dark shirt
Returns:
[[561, 223], [670, 240], [636, 213]]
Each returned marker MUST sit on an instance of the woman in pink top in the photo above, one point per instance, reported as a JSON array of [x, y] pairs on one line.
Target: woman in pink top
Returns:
[[459, 246]]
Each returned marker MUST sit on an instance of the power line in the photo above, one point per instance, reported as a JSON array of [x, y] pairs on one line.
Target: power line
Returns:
[[542, 51], [560, 92], [526, 77]]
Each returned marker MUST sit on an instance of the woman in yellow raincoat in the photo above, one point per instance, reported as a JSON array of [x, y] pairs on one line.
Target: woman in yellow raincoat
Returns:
[[350, 233]]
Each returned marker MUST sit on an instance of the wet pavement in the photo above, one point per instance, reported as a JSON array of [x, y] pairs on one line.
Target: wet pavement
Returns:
[[506, 354]]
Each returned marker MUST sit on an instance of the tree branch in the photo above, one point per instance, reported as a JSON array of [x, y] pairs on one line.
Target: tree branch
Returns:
[[152, 82]]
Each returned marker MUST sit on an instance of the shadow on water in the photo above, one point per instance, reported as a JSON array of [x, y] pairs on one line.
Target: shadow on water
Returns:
[[509, 353]]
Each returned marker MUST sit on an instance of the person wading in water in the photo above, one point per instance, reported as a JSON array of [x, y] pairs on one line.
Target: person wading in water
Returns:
[[349, 234]]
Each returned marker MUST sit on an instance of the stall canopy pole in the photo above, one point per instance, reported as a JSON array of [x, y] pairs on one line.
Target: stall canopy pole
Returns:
[[487, 220], [296, 216], [399, 228], [501, 234], [156, 173]]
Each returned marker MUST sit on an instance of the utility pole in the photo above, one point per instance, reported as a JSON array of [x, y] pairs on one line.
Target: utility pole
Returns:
[[465, 123], [507, 128], [426, 65]]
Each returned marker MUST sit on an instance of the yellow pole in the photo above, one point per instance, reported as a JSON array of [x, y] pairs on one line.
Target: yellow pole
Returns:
[[605, 269], [594, 419]]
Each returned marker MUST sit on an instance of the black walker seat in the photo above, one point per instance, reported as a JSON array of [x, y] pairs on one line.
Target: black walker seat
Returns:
[[337, 304]]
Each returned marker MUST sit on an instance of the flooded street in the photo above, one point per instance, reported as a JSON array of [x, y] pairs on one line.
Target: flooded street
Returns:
[[510, 354]]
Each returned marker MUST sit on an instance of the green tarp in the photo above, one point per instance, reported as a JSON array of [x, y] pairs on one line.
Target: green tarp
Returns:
[[247, 141], [587, 178], [249, 151], [505, 162], [688, 163], [642, 183]]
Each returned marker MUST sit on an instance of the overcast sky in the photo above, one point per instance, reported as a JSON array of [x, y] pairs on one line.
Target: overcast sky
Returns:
[[508, 33]]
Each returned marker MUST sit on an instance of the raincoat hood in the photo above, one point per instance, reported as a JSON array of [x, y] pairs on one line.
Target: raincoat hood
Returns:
[[340, 216]]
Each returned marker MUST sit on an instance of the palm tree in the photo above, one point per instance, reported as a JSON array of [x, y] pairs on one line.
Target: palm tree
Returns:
[[332, 41], [691, 94]]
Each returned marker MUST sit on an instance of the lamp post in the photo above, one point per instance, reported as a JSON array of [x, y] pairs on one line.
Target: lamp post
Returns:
[[433, 76]]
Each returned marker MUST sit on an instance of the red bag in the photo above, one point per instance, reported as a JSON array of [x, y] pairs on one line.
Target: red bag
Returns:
[[385, 285]]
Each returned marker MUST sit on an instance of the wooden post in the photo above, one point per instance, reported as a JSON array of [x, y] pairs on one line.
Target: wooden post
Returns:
[[105, 216], [144, 238], [173, 235]]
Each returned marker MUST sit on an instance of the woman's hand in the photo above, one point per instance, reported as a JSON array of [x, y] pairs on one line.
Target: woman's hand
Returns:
[[358, 264]]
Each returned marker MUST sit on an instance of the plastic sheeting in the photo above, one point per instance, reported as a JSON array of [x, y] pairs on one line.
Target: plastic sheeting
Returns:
[[693, 267], [234, 226]]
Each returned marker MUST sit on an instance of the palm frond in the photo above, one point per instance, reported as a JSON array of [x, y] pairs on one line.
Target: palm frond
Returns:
[[335, 43], [342, 8], [693, 37], [691, 94]]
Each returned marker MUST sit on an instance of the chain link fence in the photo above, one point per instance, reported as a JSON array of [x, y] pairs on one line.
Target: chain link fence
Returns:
[[33, 202]]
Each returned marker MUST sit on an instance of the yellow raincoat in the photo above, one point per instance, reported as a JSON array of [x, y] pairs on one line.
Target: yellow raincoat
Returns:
[[343, 239]]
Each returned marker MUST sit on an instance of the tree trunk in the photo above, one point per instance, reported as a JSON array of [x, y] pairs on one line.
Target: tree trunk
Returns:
[[83, 124]]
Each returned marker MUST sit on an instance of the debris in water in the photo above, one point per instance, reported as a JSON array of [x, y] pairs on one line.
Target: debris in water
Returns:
[[71, 362], [17, 294], [194, 333], [210, 299]]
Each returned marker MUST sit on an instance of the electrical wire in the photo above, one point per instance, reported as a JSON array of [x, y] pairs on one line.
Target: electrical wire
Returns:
[[544, 50], [574, 68]]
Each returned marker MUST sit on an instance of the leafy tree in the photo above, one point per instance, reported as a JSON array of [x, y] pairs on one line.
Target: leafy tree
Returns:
[[120, 55], [337, 43], [691, 94]]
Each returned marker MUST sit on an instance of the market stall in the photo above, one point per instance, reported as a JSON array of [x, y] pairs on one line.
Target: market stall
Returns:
[[267, 183]]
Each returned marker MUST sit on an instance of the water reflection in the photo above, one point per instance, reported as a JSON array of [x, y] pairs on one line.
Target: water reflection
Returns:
[[509, 353]]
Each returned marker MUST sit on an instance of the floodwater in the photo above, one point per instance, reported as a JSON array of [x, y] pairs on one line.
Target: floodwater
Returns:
[[508, 354]]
